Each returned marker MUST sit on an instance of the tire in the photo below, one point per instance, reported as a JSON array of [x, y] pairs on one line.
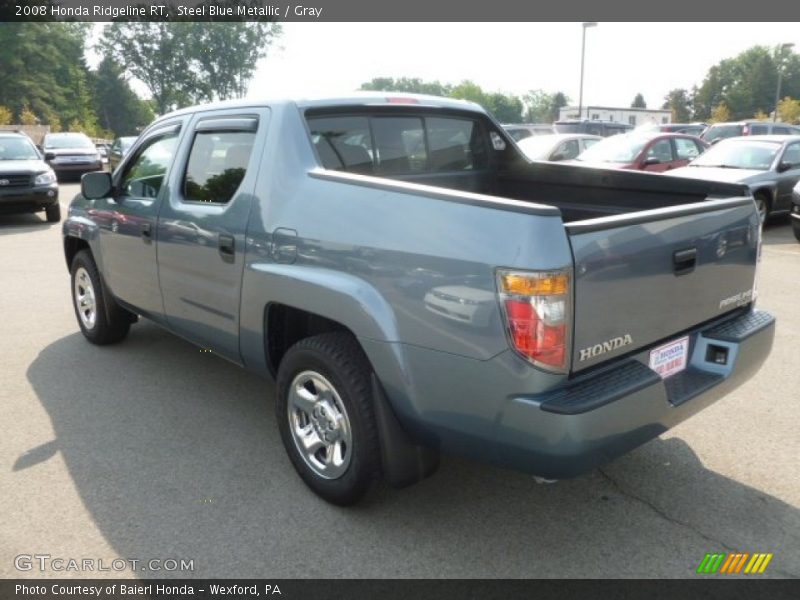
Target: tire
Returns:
[[763, 206], [53, 213], [341, 468], [796, 229], [102, 320]]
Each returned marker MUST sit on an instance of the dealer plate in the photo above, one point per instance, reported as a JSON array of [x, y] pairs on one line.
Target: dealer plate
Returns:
[[669, 359]]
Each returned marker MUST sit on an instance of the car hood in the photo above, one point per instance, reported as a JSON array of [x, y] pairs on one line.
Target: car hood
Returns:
[[22, 166], [719, 174]]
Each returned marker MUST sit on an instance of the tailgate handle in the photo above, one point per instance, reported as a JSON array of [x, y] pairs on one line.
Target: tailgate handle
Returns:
[[684, 261]]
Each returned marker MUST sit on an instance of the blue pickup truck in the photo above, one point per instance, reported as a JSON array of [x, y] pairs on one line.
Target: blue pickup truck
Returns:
[[414, 285]]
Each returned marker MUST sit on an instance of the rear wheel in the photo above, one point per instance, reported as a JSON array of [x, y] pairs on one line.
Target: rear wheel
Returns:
[[325, 416], [763, 206], [53, 213], [102, 320]]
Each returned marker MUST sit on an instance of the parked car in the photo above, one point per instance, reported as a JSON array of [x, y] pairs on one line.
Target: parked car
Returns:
[[587, 326], [119, 149], [520, 131], [720, 131], [795, 214], [601, 128], [103, 150], [769, 165], [559, 146], [71, 153], [27, 183], [644, 151]]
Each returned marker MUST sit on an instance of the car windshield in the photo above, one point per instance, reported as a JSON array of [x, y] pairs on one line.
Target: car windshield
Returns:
[[14, 148], [619, 148], [69, 140], [538, 146], [739, 154]]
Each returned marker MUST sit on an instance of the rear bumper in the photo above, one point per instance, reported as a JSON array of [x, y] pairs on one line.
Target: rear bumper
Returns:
[[28, 199], [63, 168], [600, 416]]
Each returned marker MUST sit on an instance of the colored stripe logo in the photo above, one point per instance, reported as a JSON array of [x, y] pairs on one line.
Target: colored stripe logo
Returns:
[[734, 563]]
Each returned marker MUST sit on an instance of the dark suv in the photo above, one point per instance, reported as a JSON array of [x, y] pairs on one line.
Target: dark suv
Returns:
[[721, 131], [71, 153], [595, 127], [27, 184]]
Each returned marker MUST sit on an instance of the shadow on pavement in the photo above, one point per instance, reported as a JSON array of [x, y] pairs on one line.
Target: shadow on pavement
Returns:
[[175, 453], [24, 222]]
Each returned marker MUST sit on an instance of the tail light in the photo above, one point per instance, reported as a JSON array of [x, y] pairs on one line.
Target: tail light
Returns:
[[745, 130], [536, 308]]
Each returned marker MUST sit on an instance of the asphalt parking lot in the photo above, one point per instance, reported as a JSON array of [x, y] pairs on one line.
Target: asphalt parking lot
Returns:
[[152, 449]]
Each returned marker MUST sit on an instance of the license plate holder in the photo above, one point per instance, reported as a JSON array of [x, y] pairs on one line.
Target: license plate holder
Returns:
[[671, 358]]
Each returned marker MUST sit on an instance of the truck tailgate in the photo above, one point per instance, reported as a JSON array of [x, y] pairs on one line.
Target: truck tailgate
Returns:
[[645, 277]]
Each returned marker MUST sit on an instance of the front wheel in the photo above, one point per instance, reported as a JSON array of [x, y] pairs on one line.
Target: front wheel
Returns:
[[325, 416], [53, 213], [762, 204], [102, 320]]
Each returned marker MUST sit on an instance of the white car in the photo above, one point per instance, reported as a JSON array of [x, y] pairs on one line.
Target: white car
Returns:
[[560, 146]]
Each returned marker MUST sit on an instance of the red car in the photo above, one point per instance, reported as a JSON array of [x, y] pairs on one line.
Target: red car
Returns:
[[644, 151]]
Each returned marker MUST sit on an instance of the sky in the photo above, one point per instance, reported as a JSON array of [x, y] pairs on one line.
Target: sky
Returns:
[[622, 59]]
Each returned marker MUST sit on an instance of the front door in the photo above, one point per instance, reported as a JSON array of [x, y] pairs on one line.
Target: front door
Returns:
[[788, 179], [127, 222], [202, 224]]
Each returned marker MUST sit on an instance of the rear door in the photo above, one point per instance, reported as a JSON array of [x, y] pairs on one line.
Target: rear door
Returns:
[[202, 223], [646, 277], [788, 179]]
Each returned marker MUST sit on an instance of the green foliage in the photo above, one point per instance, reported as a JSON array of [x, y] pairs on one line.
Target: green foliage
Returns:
[[720, 114], [542, 107], [680, 103], [118, 108], [789, 110], [6, 115], [409, 85], [27, 116], [186, 62], [746, 84], [638, 102]]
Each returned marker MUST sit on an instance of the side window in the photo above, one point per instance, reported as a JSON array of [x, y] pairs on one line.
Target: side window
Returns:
[[115, 146], [343, 143], [568, 150], [594, 129], [792, 154], [778, 130], [759, 129], [400, 145], [661, 150], [686, 149], [144, 175], [455, 145], [217, 165]]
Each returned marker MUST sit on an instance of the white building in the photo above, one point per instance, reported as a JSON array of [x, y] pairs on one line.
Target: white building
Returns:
[[630, 116]]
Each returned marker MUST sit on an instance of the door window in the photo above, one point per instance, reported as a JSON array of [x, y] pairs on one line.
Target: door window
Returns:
[[792, 155], [144, 174], [662, 151], [686, 149], [217, 165], [567, 150]]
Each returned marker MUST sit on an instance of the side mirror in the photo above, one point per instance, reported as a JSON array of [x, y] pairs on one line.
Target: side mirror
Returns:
[[96, 185], [49, 156], [558, 156], [650, 160], [784, 166]]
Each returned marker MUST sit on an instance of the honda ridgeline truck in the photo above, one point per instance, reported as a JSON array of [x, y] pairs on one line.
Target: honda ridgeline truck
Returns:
[[415, 285]]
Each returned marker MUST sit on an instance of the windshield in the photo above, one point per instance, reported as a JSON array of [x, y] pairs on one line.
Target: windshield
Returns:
[[620, 148], [538, 146], [69, 140], [14, 148], [739, 154]]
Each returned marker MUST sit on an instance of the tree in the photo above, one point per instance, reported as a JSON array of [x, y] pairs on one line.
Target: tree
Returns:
[[410, 85], [5, 116], [188, 62], [679, 102], [789, 110], [542, 107], [761, 116], [720, 114], [27, 116], [638, 102], [117, 106]]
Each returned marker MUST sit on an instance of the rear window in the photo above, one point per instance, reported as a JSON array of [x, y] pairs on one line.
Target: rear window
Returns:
[[569, 127], [398, 145], [720, 132]]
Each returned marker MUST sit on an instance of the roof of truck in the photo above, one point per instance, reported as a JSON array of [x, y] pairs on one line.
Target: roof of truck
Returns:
[[353, 99]]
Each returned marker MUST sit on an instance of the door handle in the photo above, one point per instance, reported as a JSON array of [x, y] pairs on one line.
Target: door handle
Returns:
[[227, 245], [684, 261], [146, 229]]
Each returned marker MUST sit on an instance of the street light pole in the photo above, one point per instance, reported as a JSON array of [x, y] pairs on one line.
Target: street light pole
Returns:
[[583, 57], [781, 48]]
